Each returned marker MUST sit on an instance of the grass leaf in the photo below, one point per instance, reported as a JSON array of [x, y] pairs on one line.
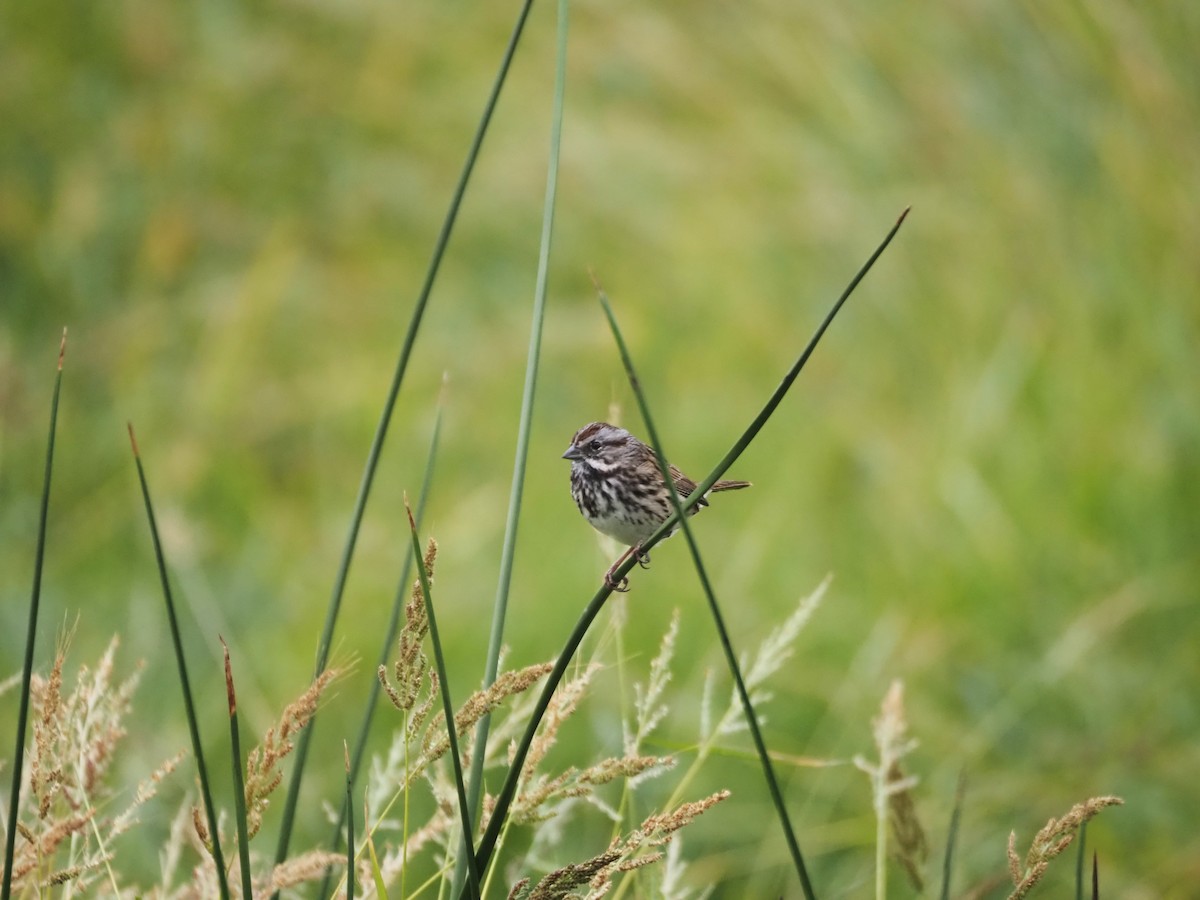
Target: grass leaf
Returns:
[[368, 477], [31, 634]]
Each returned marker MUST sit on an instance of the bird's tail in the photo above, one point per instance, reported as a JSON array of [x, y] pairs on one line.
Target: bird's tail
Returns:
[[730, 485]]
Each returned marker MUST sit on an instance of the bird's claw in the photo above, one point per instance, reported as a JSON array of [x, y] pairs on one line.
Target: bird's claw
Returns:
[[621, 587]]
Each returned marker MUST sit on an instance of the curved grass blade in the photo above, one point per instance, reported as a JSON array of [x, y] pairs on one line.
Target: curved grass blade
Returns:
[[349, 825], [335, 600], [952, 834], [504, 799], [184, 682], [500, 607], [760, 745], [487, 843], [239, 780], [376, 873], [35, 599], [1080, 860], [364, 729], [447, 707], [777, 397], [755, 426]]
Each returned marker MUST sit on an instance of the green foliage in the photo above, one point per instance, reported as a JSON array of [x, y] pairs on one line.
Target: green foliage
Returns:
[[997, 451]]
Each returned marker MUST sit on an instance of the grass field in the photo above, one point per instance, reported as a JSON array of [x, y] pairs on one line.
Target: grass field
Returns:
[[995, 451]]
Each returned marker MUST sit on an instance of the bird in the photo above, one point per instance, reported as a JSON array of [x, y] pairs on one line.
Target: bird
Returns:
[[619, 488]]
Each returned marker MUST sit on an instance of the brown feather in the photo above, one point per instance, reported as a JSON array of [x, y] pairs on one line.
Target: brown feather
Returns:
[[683, 484], [617, 486], [731, 485]]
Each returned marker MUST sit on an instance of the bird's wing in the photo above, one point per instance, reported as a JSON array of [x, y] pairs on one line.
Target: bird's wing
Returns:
[[685, 486]]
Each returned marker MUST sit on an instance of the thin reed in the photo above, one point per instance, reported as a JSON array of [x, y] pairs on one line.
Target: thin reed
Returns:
[[524, 428], [189, 706], [35, 597], [443, 679], [239, 780], [760, 746], [385, 649], [385, 417]]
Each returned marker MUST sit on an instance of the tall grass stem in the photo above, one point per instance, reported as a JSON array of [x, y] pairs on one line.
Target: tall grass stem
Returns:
[[35, 599], [760, 745], [239, 780], [508, 790], [185, 684], [500, 607], [777, 397], [402, 592], [349, 825], [1081, 860], [293, 794], [439, 659], [756, 425], [879, 798], [960, 793]]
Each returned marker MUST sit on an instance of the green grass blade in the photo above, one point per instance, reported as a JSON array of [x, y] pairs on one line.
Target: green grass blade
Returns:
[[952, 834], [239, 780], [487, 843], [447, 707], [293, 794], [772, 403], [500, 607], [349, 825], [760, 745], [777, 397], [189, 706], [385, 649], [508, 791], [769, 408], [377, 874], [1080, 860], [35, 599]]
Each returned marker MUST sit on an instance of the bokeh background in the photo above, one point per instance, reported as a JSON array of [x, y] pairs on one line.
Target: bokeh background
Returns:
[[995, 451]]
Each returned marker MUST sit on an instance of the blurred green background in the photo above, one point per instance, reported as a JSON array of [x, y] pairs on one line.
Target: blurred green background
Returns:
[[996, 450]]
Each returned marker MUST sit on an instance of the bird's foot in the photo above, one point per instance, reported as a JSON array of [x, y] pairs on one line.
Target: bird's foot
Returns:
[[621, 587]]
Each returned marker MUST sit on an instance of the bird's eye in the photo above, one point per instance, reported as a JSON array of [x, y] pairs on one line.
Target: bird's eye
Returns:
[[594, 446]]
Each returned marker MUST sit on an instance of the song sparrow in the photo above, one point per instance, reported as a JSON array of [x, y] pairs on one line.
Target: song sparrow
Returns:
[[617, 485]]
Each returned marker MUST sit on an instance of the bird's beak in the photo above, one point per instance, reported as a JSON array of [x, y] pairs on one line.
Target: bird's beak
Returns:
[[573, 452]]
